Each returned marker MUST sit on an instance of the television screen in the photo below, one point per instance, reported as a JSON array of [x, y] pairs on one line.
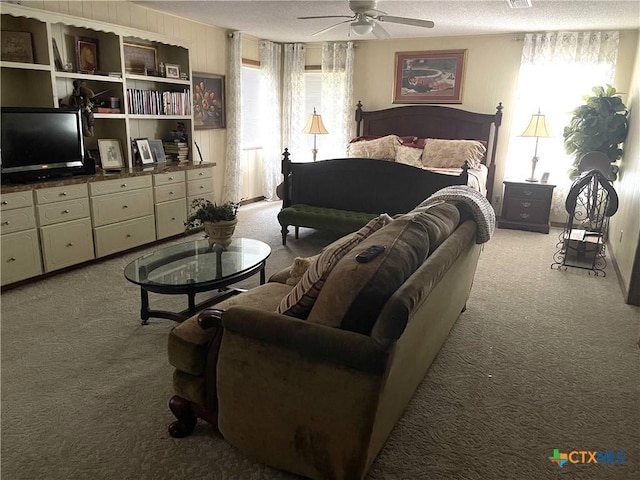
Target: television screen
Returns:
[[41, 142]]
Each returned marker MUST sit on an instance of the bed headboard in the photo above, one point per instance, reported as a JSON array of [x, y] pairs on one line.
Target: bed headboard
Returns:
[[434, 121]]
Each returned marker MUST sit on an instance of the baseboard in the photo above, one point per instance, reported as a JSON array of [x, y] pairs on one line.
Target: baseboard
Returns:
[[251, 200], [623, 288]]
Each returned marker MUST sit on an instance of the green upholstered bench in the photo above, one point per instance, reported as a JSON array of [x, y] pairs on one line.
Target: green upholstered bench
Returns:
[[321, 218]]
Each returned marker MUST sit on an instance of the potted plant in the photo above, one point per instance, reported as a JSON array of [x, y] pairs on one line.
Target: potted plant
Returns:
[[598, 126], [219, 221]]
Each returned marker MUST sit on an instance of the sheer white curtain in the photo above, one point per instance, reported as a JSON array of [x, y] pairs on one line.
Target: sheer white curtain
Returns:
[[293, 114], [270, 114], [337, 99], [557, 70], [232, 183]]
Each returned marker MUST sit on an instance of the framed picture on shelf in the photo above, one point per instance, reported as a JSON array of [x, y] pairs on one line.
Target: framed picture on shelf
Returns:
[[110, 153], [140, 58], [56, 56], [157, 150], [429, 77], [171, 71], [17, 47], [144, 151], [86, 54], [208, 101]]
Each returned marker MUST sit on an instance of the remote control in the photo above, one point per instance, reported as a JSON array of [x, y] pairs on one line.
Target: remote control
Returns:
[[370, 253]]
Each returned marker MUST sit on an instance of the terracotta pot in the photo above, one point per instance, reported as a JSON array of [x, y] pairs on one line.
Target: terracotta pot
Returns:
[[220, 233]]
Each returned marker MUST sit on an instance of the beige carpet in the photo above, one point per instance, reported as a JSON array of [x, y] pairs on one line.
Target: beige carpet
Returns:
[[540, 360]]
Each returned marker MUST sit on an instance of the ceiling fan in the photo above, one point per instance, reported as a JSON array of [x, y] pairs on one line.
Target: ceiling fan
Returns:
[[366, 18]]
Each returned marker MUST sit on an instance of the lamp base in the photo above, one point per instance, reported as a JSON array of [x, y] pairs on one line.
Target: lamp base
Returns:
[[532, 180]]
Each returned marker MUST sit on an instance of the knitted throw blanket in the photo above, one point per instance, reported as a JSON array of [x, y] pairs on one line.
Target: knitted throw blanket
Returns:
[[479, 206]]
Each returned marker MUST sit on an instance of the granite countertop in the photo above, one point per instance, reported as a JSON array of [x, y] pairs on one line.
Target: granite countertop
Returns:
[[101, 175]]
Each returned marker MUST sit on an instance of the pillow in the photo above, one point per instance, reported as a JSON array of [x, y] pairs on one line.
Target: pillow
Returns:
[[298, 268], [452, 153], [409, 156], [383, 148], [354, 293], [300, 299]]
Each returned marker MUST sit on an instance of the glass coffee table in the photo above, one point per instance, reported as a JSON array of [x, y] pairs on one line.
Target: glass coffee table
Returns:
[[193, 267]]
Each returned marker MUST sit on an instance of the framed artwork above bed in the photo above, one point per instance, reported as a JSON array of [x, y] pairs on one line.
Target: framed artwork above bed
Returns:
[[429, 77]]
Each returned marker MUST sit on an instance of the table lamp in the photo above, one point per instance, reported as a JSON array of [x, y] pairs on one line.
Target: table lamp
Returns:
[[316, 127], [537, 128]]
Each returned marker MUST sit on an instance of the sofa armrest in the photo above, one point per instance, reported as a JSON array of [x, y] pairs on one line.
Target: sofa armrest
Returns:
[[312, 341]]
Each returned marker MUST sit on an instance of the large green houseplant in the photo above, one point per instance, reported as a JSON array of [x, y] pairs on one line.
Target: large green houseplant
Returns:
[[599, 125], [219, 221]]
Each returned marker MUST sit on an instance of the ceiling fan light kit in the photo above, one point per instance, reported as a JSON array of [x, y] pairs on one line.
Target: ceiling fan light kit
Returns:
[[362, 25]]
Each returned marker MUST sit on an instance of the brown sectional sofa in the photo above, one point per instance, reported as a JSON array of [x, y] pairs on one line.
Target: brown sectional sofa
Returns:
[[319, 396]]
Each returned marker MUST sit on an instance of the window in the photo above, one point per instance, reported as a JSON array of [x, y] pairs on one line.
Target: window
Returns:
[[251, 84], [312, 99]]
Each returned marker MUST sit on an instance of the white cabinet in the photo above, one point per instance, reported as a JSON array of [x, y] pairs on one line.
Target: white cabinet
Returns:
[[122, 212], [170, 208], [19, 250], [199, 184], [65, 226]]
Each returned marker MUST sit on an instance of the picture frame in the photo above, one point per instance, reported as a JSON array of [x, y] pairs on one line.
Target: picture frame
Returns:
[[429, 77], [144, 151], [17, 47], [56, 56], [208, 101], [110, 153], [139, 58], [545, 177], [86, 54], [171, 70], [157, 151]]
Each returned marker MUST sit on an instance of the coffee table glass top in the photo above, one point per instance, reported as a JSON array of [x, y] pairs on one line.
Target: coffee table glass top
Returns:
[[196, 262]]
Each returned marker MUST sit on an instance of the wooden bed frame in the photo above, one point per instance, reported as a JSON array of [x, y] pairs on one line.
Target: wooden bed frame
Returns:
[[430, 121]]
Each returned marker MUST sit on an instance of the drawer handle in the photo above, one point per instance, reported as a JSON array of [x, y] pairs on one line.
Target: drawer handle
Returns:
[[65, 211], [128, 235], [527, 192], [524, 215], [125, 206], [173, 219], [12, 259], [4, 202], [170, 193], [123, 185], [200, 174], [525, 204], [63, 194], [201, 187], [6, 222], [170, 178], [70, 244]]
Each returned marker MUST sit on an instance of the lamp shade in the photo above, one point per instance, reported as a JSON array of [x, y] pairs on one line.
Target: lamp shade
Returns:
[[314, 125], [537, 127], [362, 26]]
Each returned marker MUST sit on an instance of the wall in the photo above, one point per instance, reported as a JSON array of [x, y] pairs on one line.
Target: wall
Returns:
[[208, 47], [624, 227]]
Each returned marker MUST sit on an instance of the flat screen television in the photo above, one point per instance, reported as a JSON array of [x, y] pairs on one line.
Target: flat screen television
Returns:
[[39, 143]]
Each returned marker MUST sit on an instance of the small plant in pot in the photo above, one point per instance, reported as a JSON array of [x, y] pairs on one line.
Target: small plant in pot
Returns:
[[600, 125], [219, 221]]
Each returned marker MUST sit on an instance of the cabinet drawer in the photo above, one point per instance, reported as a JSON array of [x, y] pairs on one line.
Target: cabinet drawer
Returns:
[[199, 173], [118, 207], [523, 191], [121, 185], [170, 218], [17, 220], [169, 192], [57, 194], [124, 235], [51, 213], [16, 200], [20, 255], [168, 178], [66, 244], [199, 187], [527, 211]]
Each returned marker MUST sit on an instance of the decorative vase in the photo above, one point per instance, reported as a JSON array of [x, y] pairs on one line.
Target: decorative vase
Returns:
[[220, 233]]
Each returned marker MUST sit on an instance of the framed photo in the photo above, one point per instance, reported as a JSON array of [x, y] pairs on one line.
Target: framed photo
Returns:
[[144, 150], [171, 71], [208, 101], [545, 177], [86, 54], [56, 56], [140, 58], [157, 150], [429, 77], [17, 47], [110, 153]]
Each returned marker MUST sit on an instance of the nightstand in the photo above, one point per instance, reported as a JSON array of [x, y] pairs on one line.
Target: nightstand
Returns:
[[526, 206]]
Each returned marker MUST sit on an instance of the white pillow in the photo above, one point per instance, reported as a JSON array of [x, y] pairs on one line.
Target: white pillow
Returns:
[[452, 153], [383, 148], [409, 155]]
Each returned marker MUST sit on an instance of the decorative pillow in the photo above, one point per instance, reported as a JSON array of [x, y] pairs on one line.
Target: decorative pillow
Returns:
[[355, 293], [383, 148], [409, 155], [300, 300], [452, 153], [298, 269]]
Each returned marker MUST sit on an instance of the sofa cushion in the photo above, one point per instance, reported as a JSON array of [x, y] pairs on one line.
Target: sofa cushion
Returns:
[[439, 153], [383, 148], [354, 293], [300, 300], [444, 218]]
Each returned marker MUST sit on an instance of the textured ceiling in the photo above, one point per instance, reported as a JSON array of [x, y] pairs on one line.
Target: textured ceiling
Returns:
[[276, 20]]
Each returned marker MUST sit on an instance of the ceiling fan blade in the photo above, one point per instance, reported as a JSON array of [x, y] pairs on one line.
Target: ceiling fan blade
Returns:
[[325, 16], [379, 32], [325, 30], [406, 21]]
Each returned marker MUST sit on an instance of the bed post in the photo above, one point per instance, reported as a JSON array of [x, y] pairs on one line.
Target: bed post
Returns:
[[286, 171], [358, 118], [492, 165]]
